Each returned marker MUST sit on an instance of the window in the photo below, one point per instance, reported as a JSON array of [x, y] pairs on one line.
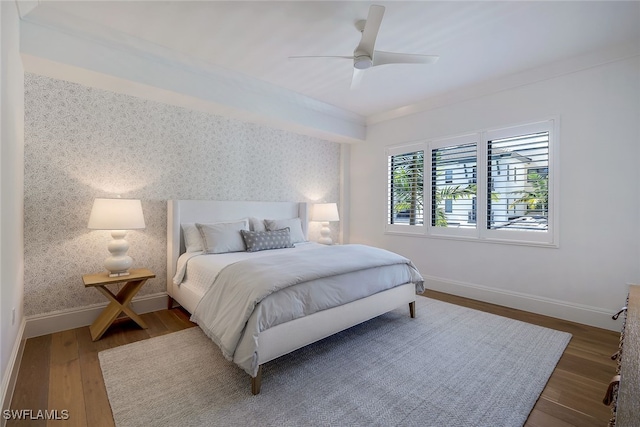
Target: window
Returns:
[[448, 176], [495, 185], [448, 206], [522, 204], [452, 192], [405, 187]]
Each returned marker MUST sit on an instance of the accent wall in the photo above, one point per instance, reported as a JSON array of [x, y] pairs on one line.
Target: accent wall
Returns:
[[82, 143]]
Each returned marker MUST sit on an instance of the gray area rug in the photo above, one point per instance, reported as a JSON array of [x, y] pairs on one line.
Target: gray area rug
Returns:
[[451, 366]]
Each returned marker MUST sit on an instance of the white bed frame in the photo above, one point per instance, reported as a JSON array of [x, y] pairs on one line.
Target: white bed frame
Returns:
[[289, 336]]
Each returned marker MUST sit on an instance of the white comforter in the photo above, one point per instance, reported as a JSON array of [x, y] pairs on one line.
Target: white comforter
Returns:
[[252, 295]]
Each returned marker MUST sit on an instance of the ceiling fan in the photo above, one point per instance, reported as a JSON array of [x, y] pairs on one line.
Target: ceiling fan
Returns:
[[364, 56]]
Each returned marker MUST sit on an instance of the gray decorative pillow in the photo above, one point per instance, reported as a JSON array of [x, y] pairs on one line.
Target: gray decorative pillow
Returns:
[[263, 240]]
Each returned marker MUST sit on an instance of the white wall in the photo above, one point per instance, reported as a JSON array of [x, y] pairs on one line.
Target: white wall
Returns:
[[11, 190], [587, 277]]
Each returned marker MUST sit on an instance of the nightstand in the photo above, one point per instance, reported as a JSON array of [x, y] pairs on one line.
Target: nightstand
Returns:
[[118, 303]]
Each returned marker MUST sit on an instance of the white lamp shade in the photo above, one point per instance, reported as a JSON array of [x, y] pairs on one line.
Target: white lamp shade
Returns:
[[325, 212], [116, 214]]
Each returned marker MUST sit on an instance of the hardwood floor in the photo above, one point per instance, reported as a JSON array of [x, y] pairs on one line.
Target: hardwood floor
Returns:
[[61, 371]]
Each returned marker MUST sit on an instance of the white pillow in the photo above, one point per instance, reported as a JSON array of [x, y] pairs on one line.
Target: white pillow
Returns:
[[223, 237], [192, 237], [294, 224], [257, 224]]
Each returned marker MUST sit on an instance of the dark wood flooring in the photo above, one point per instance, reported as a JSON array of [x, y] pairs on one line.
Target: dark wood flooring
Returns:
[[62, 371]]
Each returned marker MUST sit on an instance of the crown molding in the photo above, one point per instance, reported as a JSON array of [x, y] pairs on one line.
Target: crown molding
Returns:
[[512, 81], [122, 64]]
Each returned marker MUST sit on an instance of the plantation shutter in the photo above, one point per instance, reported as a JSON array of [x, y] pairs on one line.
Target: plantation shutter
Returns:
[[453, 186], [518, 174], [405, 188]]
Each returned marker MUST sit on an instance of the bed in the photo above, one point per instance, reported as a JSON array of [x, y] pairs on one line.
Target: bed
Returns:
[[187, 270]]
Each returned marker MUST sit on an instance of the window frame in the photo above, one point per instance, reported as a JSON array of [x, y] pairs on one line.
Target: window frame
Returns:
[[550, 237], [481, 233]]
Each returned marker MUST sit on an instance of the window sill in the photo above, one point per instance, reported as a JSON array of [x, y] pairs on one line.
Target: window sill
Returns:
[[474, 239]]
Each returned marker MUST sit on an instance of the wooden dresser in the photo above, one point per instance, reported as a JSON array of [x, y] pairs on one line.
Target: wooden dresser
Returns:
[[628, 400]]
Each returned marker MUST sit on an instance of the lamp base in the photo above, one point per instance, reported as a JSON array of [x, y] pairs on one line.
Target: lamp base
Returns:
[[119, 262], [325, 232]]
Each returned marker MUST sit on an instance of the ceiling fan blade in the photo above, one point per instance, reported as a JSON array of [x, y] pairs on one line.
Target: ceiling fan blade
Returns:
[[321, 56], [356, 79], [370, 32], [382, 58], [365, 56]]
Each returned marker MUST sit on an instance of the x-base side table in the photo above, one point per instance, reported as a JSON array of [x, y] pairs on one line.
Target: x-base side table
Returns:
[[118, 303]]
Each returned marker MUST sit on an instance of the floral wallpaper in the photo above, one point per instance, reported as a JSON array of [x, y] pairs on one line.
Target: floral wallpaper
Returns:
[[82, 143]]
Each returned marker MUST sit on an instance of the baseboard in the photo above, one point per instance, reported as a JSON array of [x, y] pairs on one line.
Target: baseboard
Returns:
[[579, 313], [75, 318], [11, 374]]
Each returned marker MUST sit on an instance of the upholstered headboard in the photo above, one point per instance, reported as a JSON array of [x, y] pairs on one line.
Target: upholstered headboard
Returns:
[[208, 211]]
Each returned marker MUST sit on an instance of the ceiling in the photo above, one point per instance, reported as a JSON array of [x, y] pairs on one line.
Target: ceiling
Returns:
[[477, 41]]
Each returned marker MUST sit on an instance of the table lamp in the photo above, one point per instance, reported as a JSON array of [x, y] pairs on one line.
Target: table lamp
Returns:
[[324, 213], [118, 216]]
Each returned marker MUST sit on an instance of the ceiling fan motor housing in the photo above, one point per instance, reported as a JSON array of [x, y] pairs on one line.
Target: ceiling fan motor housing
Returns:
[[362, 62]]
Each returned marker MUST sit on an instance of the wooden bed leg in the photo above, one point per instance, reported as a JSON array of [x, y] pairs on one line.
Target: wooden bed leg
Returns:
[[169, 302], [256, 382], [412, 309]]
